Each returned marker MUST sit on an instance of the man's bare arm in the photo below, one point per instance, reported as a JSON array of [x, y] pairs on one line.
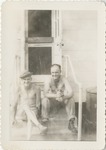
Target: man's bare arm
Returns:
[[69, 93], [38, 98], [51, 95]]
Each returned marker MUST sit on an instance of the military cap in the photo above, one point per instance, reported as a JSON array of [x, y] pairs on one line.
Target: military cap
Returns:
[[25, 74]]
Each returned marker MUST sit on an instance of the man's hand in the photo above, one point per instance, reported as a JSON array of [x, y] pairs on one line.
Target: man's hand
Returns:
[[18, 124], [13, 122], [60, 99], [59, 94]]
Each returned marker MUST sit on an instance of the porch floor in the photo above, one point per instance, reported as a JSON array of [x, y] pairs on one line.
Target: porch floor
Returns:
[[57, 131]]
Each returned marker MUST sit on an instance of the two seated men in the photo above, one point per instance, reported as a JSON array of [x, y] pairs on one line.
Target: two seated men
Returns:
[[56, 88]]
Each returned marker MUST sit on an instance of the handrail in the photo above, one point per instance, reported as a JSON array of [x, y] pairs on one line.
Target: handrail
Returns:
[[73, 72], [80, 96]]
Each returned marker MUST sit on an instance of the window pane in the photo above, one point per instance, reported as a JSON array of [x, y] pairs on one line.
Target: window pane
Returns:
[[39, 23], [40, 60]]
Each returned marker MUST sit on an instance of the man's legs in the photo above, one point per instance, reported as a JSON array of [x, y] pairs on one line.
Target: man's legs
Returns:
[[20, 114], [70, 109], [45, 108], [31, 115], [33, 118], [29, 128]]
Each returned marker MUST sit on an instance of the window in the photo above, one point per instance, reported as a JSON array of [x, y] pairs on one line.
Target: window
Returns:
[[39, 60], [39, 23], [39, 41]]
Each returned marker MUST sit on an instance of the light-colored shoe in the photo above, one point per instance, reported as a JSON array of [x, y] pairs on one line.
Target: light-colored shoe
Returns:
[[42, 129]]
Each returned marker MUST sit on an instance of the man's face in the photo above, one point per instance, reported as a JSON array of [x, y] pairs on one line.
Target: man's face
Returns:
[[55, 72], [27, 81]]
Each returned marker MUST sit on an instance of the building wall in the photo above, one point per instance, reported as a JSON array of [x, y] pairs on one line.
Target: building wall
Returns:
[[79, 30], [79, 37], [12, 47]]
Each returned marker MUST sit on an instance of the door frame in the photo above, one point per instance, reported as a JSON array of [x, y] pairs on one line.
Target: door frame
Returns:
[[55, 44]]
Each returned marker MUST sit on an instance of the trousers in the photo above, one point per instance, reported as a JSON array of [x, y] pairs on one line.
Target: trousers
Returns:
[[27, 113], [47, 106]]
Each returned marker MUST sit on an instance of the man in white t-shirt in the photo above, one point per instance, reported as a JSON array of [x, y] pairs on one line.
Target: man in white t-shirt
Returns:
[[58, 88]]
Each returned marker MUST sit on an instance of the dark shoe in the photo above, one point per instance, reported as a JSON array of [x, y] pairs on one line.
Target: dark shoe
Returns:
[[71, 126]]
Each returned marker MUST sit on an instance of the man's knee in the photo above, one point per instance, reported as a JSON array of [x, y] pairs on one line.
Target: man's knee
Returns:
[[69, 100]]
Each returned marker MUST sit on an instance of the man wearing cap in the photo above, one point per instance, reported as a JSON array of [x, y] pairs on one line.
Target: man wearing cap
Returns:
[[58, 89], [28, 100]]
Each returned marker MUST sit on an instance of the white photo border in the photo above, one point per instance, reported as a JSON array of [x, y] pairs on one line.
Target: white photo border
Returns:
[[56, 145]]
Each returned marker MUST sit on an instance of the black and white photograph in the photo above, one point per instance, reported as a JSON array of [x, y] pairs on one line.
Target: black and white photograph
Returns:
[[52, 74]]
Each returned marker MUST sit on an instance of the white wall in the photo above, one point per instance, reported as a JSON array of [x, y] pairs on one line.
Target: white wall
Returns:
[[12, 45], [79, 30]]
